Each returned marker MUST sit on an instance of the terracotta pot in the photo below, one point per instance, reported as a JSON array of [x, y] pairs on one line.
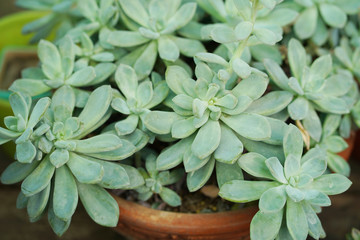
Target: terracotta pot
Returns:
[[351, 141], [142, 223]]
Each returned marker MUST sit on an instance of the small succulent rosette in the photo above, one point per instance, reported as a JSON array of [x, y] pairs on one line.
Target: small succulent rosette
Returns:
[[292, 192], [315, 88], [156, 181], [316, 17]]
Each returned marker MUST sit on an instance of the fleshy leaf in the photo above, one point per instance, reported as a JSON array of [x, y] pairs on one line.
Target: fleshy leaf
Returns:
[[99, 204], [115, 176], [266, 226], [245, 191], [85, 171], [16, 172], [272, 200], [39, 178], [227, 172], [293, 142], [173, 155], [160, 122], [65, 197], [170, 197], [331, 184], [230, 147], [296, 220], [254, 164], [252, 126], [207, 139], [37, 203], [99, 143], [195, 180]]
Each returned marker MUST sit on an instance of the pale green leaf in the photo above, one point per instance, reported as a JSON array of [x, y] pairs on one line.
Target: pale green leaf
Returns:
[[195, 180], [266, 226], [333, 15], [249, 125], [84, 170], [272, 200], [39, 178], [207, 139], [245, 191], [65, 197], [99, 204], [296, 220], [305, 25], [230, 147], [37, 203]]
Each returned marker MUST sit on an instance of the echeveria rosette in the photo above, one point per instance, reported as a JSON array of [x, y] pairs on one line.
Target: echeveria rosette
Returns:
[[100, 17], [24, 127], [156, 182], [317, 15], [88, 54], [208, 118], [226, 71], [61, 13], [153, 27], [69, 167], [254, 24], [348, 57], [315, 88], [257, 20], [333, 142], [292, 193], [353, 32], [137, 100], [57, 69]]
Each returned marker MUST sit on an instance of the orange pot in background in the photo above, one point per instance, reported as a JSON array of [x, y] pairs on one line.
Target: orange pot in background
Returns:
[[353, 140]]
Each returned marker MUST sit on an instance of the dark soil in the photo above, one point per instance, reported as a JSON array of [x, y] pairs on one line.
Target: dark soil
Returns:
[[206, 200]]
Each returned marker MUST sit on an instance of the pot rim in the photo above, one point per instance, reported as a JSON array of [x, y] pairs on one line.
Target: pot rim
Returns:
[[121, 200]]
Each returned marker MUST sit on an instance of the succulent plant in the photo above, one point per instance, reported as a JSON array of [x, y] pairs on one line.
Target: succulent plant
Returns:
[[56, 164], [332, 143], [101, 17], [315, 88], [57, 69], [89, 55], [239, 20], [21, 126], [352, 31], [296, 188], [208, 118], [155, 182], [152, 29], [254, 24], [61, 13], [317, 15], [349, 57], [137, 99], [240, 94]]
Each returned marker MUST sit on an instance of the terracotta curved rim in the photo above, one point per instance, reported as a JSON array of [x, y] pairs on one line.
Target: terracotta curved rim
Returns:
[[136, 215]]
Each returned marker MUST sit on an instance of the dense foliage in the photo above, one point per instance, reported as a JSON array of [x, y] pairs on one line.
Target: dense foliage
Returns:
[[143, 91]]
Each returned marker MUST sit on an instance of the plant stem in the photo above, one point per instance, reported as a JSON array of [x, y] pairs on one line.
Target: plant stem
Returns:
[[241, 47]]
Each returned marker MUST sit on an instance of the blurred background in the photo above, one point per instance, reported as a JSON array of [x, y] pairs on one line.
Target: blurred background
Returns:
[[338, 220]]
